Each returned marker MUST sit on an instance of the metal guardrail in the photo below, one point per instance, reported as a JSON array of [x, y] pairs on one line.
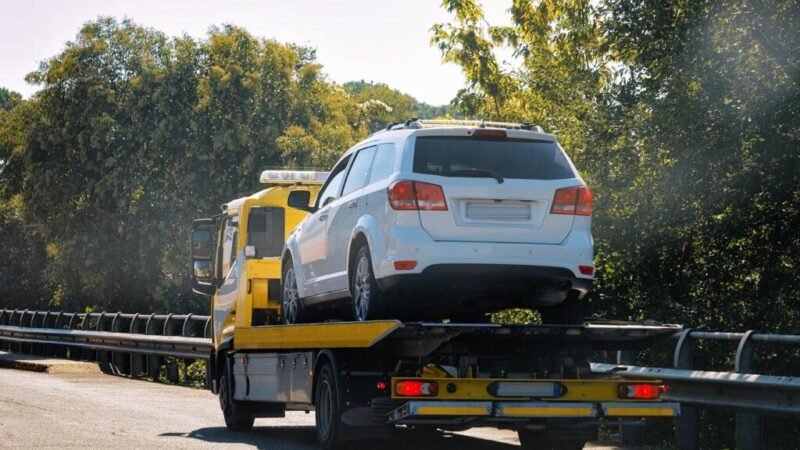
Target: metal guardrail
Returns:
[[741, 390], [135, 344], [125, 344]]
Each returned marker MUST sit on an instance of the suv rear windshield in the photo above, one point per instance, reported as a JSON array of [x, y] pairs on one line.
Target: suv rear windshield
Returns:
[[510, 158]]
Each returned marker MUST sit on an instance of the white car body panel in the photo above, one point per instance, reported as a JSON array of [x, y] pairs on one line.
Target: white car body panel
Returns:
[[486, 223]]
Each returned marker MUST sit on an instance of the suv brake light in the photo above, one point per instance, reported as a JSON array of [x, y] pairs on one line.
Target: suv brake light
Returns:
[[416, 195], [493, 134], [576, 201]]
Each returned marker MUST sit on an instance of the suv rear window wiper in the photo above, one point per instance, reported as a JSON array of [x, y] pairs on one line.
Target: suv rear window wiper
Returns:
[[477, 173]]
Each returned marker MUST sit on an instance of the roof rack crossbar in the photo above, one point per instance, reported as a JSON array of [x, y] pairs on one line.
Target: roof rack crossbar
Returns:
[[415, 123]]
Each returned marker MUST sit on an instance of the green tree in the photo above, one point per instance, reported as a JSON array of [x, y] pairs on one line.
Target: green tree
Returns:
[[9, 99], [134, 133], [383, 105], [684, 117], [22, 283]]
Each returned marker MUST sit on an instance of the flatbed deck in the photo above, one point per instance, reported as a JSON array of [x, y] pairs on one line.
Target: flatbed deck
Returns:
[[426, 335]]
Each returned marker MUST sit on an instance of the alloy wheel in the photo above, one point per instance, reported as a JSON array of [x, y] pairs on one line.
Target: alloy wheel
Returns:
[[289, 297], [361, 288]]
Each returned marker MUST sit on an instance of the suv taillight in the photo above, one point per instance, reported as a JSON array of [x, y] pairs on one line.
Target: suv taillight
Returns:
[[416, 195], [576, 200]]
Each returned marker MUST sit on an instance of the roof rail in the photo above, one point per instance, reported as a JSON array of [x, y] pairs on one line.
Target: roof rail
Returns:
[[415, 123]]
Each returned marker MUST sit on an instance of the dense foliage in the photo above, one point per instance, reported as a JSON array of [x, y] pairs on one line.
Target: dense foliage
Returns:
[[387, 105], [684, 117], [132, 135]]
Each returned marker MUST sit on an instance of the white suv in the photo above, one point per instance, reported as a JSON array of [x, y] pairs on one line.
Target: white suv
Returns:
[[443, 219]]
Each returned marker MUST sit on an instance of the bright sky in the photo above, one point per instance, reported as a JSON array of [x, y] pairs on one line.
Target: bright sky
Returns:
[[375, 40]]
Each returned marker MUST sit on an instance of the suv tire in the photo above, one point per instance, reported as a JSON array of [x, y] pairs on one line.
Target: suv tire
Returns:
[[291, 305], [369, 302], [328, 408]]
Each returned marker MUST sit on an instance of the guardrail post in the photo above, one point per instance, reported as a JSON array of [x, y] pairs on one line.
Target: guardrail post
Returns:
[[748, 426], [687, 432], [137, 362], [629, 433], [4, 317], [187, 331], [172, 365], [153, 361], [119, 360], [20, 347], [34, 349], [87, 355], [58, 351], [103, 357], [73, 352]]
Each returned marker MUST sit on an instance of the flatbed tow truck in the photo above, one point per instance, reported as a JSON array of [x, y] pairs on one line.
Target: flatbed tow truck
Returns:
[[363, 379]]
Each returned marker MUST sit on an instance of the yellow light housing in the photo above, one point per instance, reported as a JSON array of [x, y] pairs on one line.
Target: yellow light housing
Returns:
[[293, 177]]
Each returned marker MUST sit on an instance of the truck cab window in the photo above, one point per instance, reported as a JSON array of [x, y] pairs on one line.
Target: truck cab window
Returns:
[[229, 245], [266, 229]]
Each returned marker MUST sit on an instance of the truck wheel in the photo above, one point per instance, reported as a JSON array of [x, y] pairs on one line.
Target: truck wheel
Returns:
[[236, 416], [569, 312], [291, 307], [327, 408], [369, 303], [538, 440]]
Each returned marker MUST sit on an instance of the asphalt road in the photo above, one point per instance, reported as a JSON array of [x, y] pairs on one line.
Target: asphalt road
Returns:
[[95, 410]]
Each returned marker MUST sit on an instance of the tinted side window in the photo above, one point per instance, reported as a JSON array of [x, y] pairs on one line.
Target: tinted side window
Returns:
[[510, 158], [333, 183], [265, 231], [229, 245], [383, 164], [359, 171]]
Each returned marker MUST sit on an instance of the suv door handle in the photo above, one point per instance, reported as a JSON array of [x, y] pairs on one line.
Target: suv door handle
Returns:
[[352, 204], [323, 217]]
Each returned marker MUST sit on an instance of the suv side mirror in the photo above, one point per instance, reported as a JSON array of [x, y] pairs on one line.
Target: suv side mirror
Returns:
[[203, 256], [300, 200]]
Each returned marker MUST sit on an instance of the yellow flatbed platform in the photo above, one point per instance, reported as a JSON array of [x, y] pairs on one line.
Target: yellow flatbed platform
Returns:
[[368, 334]]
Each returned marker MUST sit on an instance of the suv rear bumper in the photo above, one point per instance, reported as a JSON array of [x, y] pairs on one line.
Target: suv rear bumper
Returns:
[[445, 288]]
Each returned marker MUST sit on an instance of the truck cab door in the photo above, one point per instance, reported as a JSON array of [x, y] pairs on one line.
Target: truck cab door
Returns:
[[228, 272]]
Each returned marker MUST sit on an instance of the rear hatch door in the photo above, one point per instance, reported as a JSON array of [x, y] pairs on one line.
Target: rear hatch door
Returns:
[[497, 190]]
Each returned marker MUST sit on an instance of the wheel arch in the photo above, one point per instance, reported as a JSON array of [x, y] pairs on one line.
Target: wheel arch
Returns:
[[359, 238], [323, 357], [218, 362], [366, 231]]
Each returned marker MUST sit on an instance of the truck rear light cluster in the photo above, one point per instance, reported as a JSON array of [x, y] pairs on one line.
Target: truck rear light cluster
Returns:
[[586, 270], [575, 201], [416, 195], [416, 388], [641, 391]]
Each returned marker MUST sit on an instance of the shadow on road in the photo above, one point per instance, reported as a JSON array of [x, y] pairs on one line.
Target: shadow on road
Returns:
[[303, 438]]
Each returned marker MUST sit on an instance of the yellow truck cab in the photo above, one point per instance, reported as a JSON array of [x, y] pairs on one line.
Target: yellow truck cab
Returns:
[[236, 255]]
